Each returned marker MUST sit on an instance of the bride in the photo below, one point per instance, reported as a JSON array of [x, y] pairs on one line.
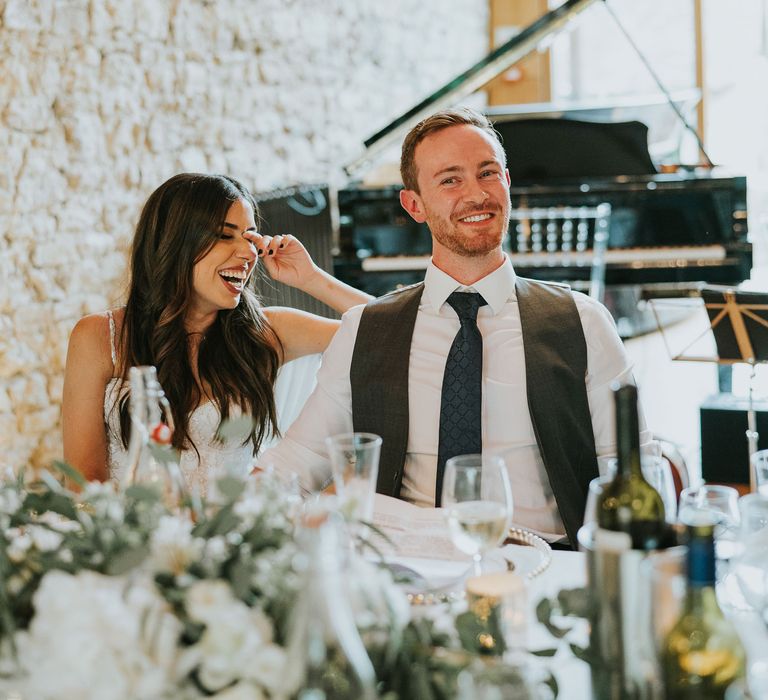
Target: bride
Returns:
[[192, 312]]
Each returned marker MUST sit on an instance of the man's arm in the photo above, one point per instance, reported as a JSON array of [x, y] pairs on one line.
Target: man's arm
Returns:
[[607, 364], [328, 411]]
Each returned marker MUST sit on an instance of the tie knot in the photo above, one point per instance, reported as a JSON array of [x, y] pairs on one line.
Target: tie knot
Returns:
[[466, 304]]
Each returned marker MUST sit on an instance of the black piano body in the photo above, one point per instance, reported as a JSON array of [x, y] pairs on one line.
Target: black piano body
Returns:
[[666, 234]]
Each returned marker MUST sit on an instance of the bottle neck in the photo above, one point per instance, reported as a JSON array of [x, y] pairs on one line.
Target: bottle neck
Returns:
[[627, 432], [701, 571]]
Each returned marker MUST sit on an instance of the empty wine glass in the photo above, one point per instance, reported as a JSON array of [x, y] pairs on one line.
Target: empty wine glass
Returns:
[[722, 503], [760, 465], [751, 566], [596, 487], [478, 502]]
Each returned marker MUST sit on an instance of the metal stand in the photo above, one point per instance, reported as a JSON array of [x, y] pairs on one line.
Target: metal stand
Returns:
[[752, 434], [739, 323]]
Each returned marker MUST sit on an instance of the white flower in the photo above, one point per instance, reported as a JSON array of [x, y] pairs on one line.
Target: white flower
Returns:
[[59, 522], [10, 501], [87, 640], [45, 540], [172, 546], [375, 599], [20, 544], [235, 636]]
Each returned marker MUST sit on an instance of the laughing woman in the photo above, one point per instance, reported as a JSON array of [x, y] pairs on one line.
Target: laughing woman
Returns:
[[192, 312]]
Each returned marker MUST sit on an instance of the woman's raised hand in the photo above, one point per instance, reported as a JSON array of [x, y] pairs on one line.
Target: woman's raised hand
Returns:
[[284, 257]]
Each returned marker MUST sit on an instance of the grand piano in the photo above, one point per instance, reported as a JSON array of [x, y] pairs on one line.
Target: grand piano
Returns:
[[667, 233]]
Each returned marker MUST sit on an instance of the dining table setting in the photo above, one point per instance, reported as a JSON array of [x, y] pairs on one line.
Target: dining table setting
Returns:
[[255, 591]]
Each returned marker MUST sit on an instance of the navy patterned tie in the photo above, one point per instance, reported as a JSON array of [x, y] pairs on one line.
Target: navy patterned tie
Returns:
[[460, 406]]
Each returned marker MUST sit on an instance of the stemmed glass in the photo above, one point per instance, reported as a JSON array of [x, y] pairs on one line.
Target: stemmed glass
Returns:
[[751, 566], [478, 500], [722, 502]]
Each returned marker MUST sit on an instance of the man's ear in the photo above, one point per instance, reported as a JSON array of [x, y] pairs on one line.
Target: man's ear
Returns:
[[509, 179], [411, 202]]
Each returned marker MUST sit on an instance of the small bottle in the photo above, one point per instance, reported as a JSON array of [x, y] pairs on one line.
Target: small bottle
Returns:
[[629, 503], [151, 460], [326, 658], [702, 654]]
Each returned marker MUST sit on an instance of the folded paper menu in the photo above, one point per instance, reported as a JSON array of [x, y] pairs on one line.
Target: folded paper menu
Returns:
[[414, 532]]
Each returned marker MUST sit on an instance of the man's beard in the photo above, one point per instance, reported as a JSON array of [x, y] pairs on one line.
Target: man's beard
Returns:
[[471, 245]]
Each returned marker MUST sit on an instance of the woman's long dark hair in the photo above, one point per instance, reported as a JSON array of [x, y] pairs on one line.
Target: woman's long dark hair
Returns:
[[237, 356]]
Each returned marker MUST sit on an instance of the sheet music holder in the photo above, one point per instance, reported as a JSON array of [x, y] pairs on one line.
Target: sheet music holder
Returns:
[[738, 321]]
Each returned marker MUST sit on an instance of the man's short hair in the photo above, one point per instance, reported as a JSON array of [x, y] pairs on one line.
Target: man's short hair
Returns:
[[438, 122]]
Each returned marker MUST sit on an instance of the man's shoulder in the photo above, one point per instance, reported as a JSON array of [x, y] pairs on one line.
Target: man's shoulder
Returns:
[[396, 296], [545, 284]]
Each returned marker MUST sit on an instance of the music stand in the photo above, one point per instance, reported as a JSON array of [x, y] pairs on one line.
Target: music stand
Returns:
[[738, 321]]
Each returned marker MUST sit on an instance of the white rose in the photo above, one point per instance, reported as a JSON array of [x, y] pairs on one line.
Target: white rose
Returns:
[[86, 641], [234, 635]]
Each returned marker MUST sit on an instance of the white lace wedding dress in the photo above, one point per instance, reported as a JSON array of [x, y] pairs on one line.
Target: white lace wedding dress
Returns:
[[212, 458]]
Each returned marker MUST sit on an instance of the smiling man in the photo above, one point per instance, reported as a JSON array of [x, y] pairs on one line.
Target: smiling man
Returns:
[[475, 358]]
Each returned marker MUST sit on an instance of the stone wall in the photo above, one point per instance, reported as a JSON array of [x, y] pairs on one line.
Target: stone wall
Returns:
[[102, 100]]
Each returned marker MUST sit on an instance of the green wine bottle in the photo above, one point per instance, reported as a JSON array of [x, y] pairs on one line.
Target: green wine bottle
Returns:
[[629, 503], [702, 654]]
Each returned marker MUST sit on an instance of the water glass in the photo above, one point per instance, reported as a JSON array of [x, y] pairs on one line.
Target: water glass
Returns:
[[759, 461], [355, 467], [477, 499]]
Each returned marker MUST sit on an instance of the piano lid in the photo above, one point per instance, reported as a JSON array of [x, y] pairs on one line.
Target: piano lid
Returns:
[[472, 79]]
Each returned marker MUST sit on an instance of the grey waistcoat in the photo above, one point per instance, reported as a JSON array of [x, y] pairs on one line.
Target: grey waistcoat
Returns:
[[555, 365]]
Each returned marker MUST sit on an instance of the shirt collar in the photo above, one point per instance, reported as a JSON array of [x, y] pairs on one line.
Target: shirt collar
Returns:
[[496, 288]]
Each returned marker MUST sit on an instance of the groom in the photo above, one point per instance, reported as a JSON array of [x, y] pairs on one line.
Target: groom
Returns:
[[473, 359]]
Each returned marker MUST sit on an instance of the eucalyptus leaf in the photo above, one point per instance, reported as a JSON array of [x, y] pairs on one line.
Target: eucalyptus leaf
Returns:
[[143, 493], [70, 472], [163, 454], [236, 429], [127, 560], [49, 501], [544, 652], [574, 602], [240, 578], [230, 487]]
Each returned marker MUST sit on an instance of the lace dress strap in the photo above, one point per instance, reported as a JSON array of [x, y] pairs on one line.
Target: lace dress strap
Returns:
[[112, 338]]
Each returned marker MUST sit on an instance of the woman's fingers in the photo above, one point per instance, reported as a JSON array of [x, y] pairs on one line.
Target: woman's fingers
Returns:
[[269, 246]]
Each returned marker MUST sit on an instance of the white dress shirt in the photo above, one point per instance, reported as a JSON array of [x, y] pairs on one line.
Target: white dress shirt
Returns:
[[507, 427]]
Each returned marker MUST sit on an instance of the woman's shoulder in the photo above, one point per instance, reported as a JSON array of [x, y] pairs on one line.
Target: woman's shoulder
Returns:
[[93, 338]]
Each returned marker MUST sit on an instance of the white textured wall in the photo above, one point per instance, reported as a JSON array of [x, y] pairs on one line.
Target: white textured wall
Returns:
[[102, 100]]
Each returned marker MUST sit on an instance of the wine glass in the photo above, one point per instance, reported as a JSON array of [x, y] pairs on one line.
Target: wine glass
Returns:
[[478, 502], [596, 487], [722, 502], [751, 566]]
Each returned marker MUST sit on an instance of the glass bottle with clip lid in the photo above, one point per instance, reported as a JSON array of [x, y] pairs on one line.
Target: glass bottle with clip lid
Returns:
[[151, 460]]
